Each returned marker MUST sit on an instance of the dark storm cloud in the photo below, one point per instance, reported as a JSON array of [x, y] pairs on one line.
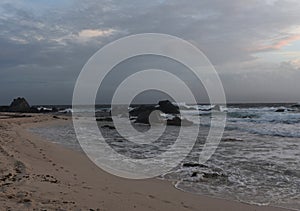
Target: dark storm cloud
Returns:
[[45, 44]]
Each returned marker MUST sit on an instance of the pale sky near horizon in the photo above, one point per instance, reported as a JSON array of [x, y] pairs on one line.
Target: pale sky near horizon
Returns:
[[253, 44]]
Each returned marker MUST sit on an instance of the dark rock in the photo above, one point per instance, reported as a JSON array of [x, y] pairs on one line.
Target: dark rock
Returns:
[[54, 109], [150, 117], [194, 174], [55, 117], [19, 105], [104, 119], [108, 126], [280, 110], [141, 109], [194, 165], [212, 175], [164, 106], [155, 117], [296, 106], [4, 108], [143, 117], [147, 114], [231, 140], [294, 172], [176, 121], [217, 108], [34, 110], [103, 114], [167, 107], [205, 109]]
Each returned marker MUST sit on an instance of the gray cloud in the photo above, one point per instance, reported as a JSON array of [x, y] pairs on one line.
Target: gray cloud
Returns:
[[45, 45]]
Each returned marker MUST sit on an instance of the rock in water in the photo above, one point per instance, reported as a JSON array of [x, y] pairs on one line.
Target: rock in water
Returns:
[[296, 106], [176, 121], [108, 127], [141, 109], [231, 140], [167, 107], [150, 117], [19, 105], [4, 108], [217, 108], [143, 117], [194, 165]]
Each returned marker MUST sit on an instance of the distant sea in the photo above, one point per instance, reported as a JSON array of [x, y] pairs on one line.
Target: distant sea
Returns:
[[258, 161]]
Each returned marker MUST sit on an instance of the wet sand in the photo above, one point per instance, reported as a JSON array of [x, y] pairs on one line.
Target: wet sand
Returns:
[[36, 174]]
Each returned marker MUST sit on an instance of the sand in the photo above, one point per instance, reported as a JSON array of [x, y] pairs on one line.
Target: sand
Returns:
[[36, 174]]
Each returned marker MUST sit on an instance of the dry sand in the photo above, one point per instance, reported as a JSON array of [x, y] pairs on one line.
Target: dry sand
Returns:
[[38, 175]]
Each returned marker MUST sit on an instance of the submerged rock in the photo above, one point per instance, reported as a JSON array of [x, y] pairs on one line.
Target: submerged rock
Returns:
[[194, 174], [108, 127], [231, 140], [213, 175], [103, 113], [104, 119], [194, 165], [280, 110]]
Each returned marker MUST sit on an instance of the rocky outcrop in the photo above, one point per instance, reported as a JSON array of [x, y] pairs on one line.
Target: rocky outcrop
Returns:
[[296, 106], [147, 114], [149, 117], [164, 106], [167, 107], [141, 109], [217, 108], [19, 105], [34, 110], [280, 110]]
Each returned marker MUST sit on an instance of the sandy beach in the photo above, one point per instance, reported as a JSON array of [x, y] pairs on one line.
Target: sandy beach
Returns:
[[36, 174]]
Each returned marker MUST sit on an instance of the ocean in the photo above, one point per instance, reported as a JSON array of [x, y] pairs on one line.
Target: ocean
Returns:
[[257, 161]]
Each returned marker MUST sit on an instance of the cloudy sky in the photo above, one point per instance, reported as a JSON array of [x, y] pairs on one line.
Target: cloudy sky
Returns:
[[253, 44]]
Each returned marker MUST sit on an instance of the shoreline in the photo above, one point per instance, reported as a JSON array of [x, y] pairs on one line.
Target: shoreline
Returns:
[[55, 177]]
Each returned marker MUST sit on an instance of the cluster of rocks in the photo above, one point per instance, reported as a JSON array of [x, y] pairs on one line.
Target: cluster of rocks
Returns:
[[20, 105], [280, 110], [148, 114], [294, 107]]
